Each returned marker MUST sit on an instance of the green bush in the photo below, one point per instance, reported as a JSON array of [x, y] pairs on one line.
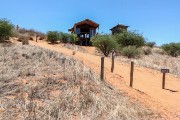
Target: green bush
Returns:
[[150, 44], [6, 29], [172, 49], [128, 38], [105, 43], [72, 38], [131, 52], [64, 37], [53, 36]]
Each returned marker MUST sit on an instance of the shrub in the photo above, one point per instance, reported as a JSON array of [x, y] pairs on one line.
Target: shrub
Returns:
[[128, 38], [64, 37], [72, 38], [150, 44], [31, 38], [53, 36], [158, 51], [172, 49], [131, 52], [105, 43], [25, 42], [32, 32], [24, 39], [42, 37], [6, 29], [119, 49], [14, 33], [22, 31], [147, 50]]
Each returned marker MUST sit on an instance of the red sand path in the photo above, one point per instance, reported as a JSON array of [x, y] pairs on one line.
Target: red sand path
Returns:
[[147, 86]]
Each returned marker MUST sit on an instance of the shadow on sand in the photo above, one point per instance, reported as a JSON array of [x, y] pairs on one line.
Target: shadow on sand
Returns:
[[171, 90]]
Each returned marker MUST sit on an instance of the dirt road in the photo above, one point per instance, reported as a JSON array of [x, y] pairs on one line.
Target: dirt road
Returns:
[[147, 87]]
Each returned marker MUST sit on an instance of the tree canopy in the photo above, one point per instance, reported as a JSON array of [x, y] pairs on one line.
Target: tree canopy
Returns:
[[6, 29], [129, 38], [105, 43]]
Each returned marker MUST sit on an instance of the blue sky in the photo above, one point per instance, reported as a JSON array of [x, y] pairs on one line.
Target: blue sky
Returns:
[[157, 20]]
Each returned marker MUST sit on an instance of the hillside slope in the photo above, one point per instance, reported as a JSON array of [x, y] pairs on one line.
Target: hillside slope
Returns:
[[37, 83], [147, 82]]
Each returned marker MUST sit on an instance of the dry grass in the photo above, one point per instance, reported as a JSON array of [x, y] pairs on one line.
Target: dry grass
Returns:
[[75, 47], [28, 33], [24, 39], [157, 60], [38, 84], [32, 32]]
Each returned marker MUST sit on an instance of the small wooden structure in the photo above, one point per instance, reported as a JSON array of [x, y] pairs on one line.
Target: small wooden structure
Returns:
[[119, 28], [85, 30]]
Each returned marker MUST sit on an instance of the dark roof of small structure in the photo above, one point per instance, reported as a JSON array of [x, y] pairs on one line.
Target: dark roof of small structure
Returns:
[[86, 21], [119, 26]]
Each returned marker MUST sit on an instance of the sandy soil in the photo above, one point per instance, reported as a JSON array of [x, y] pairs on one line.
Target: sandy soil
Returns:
[[147, 87]]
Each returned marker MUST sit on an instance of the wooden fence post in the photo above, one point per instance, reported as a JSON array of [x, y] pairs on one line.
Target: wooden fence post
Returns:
[[163, 81], [131, 74], [102, 68], [64, 73], [112, 65]]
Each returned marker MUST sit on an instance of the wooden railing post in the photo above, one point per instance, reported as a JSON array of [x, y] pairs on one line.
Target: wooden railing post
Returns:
[[131, 74], [64, 72], [112, 65], [102, 68], [163, 81]]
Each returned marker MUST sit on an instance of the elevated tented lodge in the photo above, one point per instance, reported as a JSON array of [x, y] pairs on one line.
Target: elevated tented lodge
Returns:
[[87, 28], [119, 28]]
